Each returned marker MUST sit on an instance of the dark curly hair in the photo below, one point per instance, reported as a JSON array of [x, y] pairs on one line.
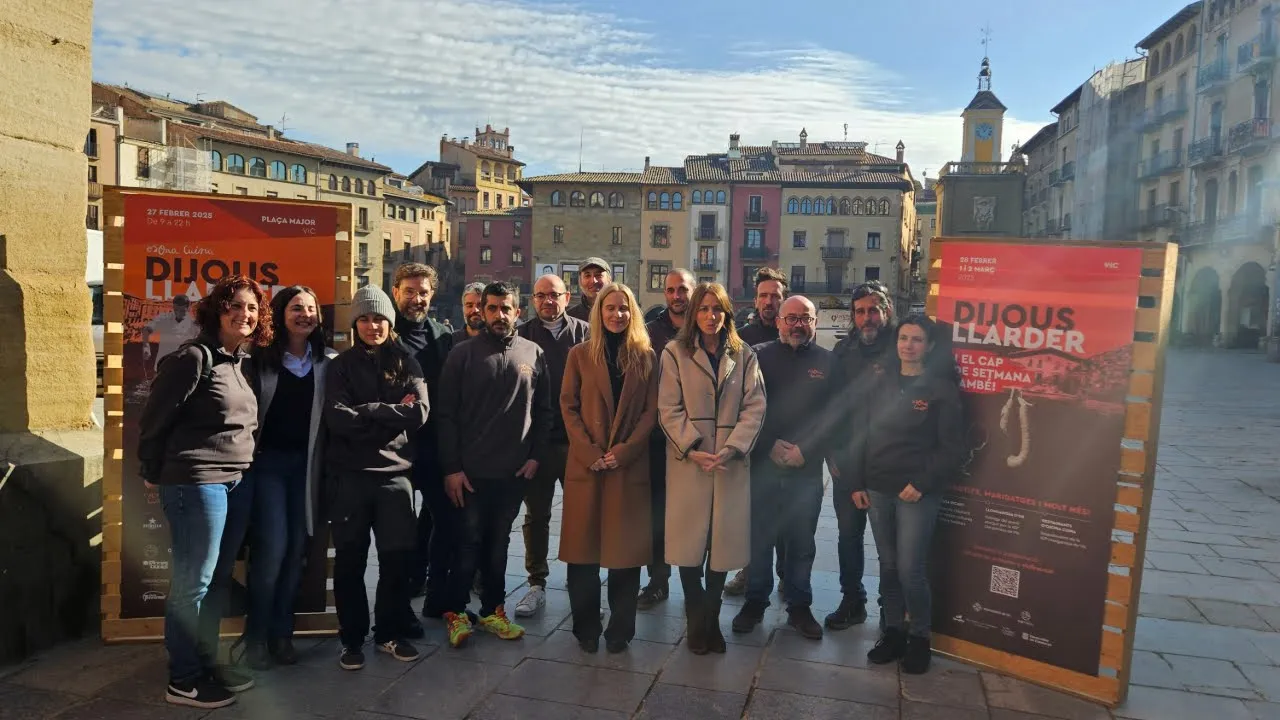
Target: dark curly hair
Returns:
[[217, 303]]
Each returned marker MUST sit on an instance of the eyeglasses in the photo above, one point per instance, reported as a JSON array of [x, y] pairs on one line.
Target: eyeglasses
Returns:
[[793, 320], [543, 297]]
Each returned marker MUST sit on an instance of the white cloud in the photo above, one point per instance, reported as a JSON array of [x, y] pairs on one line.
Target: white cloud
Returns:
[[394, 75]]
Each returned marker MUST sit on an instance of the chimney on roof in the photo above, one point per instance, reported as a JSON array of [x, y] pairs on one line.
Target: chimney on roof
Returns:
[[734, 152], [646, 162], [353, 149], [271, 133], [902, 149], [804, 138]]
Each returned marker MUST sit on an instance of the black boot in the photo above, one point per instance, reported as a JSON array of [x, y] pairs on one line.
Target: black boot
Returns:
[[915, 661], [695, 621], [890, 647], [711, 613], [852, 611], [751, 614]]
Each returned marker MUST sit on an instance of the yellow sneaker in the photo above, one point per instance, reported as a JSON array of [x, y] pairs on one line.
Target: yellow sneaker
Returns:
[[459, 626], [499, 625]]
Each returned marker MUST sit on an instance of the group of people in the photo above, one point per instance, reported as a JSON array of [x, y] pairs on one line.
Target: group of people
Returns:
[[688, 441]]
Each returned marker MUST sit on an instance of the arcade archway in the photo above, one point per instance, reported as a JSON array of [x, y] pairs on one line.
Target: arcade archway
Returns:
[[1203, 308], [1247, 306]]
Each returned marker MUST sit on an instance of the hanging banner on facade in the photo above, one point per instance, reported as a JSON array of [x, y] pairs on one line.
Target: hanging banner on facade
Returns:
[[1043, 335], [175, 249]]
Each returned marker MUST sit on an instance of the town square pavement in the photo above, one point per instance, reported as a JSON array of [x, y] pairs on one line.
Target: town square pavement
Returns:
[[1207, 645]]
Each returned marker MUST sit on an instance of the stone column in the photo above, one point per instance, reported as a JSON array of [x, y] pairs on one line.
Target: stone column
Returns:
[[50, 455]]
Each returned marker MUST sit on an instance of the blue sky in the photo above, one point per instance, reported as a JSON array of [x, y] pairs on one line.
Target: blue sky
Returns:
[[662, 78]]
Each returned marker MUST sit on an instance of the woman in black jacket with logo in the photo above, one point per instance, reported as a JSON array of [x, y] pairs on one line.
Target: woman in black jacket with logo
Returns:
[[908, 447], [375, 402]]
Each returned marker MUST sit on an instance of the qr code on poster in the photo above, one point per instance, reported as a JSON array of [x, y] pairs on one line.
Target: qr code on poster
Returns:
[[1005, 581]]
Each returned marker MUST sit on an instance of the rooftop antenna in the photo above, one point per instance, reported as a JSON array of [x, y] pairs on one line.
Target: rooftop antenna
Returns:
[[580, 136], [199, 98], [846, 132], [284, 117]]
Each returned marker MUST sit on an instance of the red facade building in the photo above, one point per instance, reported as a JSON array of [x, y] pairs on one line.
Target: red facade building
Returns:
[[498, 245]]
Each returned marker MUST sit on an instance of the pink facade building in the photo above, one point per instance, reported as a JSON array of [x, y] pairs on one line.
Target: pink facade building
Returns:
[[755, 216]]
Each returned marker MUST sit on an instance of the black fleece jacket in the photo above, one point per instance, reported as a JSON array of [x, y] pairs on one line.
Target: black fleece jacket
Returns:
[[429, 342], [369, 431], [555, 352], [798, 382]]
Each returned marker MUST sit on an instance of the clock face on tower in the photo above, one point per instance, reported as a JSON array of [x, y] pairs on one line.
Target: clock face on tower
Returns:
[[984, 131]]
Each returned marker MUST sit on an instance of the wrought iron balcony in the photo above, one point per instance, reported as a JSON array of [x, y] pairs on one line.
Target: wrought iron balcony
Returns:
[[1250, 135], [1204, 151], [755, 217], [981, 168], [755, 251], [1068, 171], [1156, 216], [836, 252], [362, 262], [709, 234], [1250, 226], [1214, 75], [1257, 54], [1160, 163], [704, 265]]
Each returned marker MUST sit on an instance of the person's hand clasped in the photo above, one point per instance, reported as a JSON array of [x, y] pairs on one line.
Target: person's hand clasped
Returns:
[[610, 461], [909, 494], [704, 460], [528, 469], [861, 499], [454, 484]]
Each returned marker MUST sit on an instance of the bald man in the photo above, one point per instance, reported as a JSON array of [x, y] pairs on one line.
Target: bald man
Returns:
[[786, 467]]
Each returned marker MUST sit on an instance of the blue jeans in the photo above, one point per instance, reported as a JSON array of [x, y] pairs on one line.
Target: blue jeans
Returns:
[[852, 524], [207, 525], [904, 533], [278, 543], [784, 509]]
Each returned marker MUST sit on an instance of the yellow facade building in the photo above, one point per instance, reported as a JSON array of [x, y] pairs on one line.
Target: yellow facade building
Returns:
[[664, 228]]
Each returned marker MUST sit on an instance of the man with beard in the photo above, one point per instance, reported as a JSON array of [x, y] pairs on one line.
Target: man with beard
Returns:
[[786, 467], [593, 275], [429, 342], [494, 418], [556, 333], [662, 330], [472, 313], [866, 345], [771, 290]]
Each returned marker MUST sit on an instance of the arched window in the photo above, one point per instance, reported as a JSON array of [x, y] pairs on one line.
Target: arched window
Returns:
[[664, 201], [1191, 38], [831, 206], [373, 189], [597, 199], [1154, 66], [652, 201], [333, 183], [857, 206], [677, 201], [1177, 47], [215, 159], [485, 170], [557, 198], [276, 171], [720, 197], [806, 206], [793, 206], [257, 167], [359, 186], [819, 207], [884, 206], [511, 173], [298, 174], [235, 164], [577, 199], [697, 197], [845, 207], [616, 200], [346, 184]]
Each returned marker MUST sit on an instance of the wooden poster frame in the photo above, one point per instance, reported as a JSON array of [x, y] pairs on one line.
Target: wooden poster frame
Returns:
[[1134, 485], [115, 628]]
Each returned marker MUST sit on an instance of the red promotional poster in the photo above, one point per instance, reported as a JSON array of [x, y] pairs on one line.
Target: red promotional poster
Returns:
[[176, 248], [1043, 335]]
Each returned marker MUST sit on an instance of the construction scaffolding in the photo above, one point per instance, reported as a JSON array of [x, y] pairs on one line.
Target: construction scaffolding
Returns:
[[187, 165], [1107, 150]]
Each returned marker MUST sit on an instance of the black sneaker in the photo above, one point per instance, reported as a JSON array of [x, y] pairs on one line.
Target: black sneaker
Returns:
[[351, 659], [283, 652], [749, 616], [651, 595], [851, 612], [915, 661], [891, 646], [233, 679], [802, 619], [203, 692], [399, 649]]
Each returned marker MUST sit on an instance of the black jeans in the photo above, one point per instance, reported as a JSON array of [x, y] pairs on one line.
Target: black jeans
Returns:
[[659, 570], [385, 506], [425, 479], [445, 522], [483, 540], [584, 600], [540, 493], [784, 509], [852, 523]]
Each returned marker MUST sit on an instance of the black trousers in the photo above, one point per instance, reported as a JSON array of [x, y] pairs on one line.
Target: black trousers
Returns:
[[385, 506], [584, 601], [423, 482], [659, 570], [483, 540], [445, 523]]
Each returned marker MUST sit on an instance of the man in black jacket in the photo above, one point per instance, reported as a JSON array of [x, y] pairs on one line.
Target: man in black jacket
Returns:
[[494, 418], [429, 342], [786, 467], [866, 345], [556, 333]]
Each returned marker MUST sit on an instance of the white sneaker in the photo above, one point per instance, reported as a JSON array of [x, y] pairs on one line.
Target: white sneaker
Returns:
[[532, 602]]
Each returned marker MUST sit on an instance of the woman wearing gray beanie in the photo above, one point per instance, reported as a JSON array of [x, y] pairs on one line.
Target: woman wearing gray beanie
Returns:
[[375, 402]]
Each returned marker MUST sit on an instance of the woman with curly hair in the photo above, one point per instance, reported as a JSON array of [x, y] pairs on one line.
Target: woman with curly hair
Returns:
[[196, 439]]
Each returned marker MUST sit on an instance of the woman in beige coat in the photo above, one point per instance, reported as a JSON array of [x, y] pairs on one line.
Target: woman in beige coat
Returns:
[[609, 402], [711, 405]]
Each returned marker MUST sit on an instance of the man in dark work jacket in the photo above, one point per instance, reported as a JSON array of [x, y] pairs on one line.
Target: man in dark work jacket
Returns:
[[786, 467], [494, 418], [556, 333]]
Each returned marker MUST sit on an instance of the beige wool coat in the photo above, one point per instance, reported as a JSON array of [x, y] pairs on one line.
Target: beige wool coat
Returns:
[[606, 515], [724, 410]]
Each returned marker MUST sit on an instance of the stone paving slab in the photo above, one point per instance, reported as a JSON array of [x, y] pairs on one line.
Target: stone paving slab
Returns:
[[1207, 644]]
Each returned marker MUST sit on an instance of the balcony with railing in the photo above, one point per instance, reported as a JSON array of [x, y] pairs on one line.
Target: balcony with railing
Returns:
[[755, 217], [1257, 54], [1213, 76], [711, 234], [1205, 151], [1068, 171], [1163, 111], [981, 168], [362, 261], [95, 190], [1249, 136], [836, 252], [755, 252], [1160, 163], [706, 265], [1158, 216], [1053, 177], [1250, 226]]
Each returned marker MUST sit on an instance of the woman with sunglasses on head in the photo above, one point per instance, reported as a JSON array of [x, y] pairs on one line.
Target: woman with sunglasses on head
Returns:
[[908, 431]]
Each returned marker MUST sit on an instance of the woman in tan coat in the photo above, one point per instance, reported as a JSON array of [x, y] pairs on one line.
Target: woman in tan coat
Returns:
[[609, 402], [711, 406]]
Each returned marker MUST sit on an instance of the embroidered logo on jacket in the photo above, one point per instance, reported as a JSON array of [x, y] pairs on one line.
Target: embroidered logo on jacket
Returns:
[[920, 405], [816, 374], [526, 370]]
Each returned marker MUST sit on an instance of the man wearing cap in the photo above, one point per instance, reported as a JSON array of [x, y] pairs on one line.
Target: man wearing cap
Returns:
[[593, 275]]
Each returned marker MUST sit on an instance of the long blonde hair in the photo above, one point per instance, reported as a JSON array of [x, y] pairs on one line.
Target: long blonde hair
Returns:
[[635, 355], [689, 332]]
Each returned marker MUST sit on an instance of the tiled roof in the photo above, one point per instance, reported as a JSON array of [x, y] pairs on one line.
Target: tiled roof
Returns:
[[136, 101], [1184, 15], [1070, 99], [664, 176], [464, 188], [484, 152], [281, 145], [586, 178], [423, 197], [706, 168], [985, 100], [844, 178], [1042, 135], [504, 212]]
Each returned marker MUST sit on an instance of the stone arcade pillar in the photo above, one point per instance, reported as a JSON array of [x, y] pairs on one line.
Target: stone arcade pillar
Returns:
[[50, 454]]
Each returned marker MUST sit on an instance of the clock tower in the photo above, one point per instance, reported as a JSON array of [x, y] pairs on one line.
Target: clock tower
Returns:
[[983, 121]]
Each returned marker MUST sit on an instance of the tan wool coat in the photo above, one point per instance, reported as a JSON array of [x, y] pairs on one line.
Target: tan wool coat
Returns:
[[606, 515], [720, 411]]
